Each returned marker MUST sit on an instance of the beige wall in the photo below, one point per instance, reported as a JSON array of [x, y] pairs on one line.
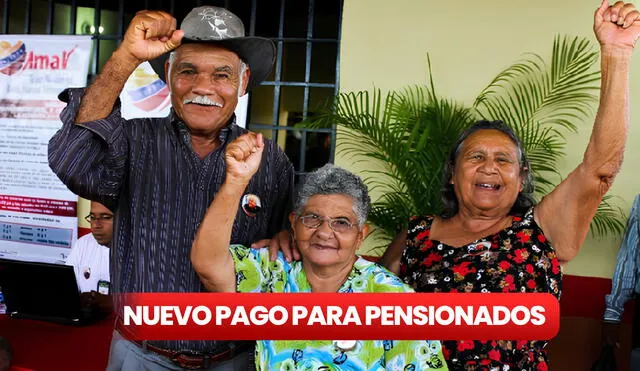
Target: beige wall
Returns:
[[385, 43]]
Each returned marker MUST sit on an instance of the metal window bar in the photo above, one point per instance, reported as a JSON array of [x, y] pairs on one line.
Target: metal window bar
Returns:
[[252, 32], [73, 18], [27, 17], [291, 128], [336, 90], [293, 83], [304, 39], [50, 16], [121, 25], [307, 69], [5, 18], [96, 37], [252, 22], [307, 77], [278, 75]]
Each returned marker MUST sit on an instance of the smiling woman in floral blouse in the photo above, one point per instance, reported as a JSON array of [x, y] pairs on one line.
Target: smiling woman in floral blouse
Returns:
[[492, 237], [328, 226]]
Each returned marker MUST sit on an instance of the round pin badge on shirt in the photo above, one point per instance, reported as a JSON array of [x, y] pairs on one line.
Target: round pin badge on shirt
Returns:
[[87, 272], [251, 204]]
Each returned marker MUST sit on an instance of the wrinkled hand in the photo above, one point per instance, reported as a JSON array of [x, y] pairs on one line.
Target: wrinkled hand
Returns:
[[617, 25], [150, 34], [611, 334], [243, 157], [280, 242]]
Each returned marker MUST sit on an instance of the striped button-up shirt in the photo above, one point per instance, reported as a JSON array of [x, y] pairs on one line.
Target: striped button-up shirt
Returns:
[[625, 282], [147, 172]]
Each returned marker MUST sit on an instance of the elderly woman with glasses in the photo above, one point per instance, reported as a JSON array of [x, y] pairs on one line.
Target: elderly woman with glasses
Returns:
[[328, 226]]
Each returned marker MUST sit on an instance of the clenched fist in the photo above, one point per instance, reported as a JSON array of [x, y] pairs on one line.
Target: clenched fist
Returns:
[[150, 34], [617, 25], [243, 157]]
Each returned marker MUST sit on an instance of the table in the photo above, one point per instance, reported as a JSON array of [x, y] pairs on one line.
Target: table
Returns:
[[43, 346]]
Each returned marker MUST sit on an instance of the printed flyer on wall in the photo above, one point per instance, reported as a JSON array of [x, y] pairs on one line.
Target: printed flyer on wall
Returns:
[[38, 214]]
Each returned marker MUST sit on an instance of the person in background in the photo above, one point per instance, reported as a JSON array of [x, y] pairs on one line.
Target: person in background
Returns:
[[160, 174], [90, 260], [492, 236], [328, 226], [625, 285]]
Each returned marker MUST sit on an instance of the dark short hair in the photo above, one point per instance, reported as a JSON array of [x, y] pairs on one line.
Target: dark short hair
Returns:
[[525, 198]]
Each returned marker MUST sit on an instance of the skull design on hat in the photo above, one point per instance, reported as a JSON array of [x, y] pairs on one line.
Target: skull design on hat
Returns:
[[214, 25], [217, 19]]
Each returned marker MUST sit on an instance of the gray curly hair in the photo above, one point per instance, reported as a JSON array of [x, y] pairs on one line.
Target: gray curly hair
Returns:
[[333, 180]]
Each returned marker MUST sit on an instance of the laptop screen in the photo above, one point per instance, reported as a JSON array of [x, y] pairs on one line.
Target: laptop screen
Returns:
[[33, 289]]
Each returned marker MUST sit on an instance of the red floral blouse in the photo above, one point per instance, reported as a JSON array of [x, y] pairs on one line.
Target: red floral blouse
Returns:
[[517, 259]]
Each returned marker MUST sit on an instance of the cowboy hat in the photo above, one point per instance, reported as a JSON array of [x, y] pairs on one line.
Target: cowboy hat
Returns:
[[214, 25]]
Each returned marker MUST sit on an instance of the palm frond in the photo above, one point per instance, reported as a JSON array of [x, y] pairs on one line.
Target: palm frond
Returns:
[[530, 92], [609, 219]]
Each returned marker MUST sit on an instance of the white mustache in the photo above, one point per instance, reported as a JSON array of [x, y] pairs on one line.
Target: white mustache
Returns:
[[201, 99]]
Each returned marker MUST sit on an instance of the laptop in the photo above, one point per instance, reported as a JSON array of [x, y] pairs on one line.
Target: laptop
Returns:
[[42, 291]]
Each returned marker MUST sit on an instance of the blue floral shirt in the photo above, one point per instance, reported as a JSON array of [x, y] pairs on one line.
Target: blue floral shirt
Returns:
[[255, 273]]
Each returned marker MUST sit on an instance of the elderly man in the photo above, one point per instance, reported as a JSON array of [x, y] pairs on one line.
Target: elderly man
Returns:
[[160, 175]]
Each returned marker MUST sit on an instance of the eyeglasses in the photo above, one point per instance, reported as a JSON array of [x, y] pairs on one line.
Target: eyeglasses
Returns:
[[102, 217], [338, 225]]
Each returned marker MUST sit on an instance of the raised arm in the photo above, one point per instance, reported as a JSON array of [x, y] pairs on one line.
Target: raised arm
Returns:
[[90, 152], [149, 35], [210, 254], [566, 213]]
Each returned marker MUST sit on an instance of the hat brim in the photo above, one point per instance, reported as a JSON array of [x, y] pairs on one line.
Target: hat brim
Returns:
[[258, 53]]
